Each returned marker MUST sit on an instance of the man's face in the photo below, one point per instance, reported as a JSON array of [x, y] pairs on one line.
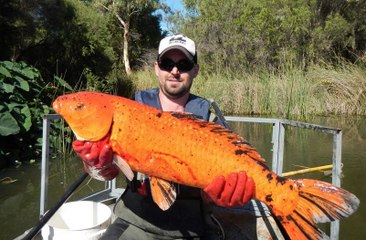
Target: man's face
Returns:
[[175, 83]]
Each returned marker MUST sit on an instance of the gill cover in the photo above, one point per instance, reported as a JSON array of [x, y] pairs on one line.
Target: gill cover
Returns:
[[89, 115]]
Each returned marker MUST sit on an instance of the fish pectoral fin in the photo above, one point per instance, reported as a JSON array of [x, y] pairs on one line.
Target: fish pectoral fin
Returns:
[[163, 192], [123, 165]]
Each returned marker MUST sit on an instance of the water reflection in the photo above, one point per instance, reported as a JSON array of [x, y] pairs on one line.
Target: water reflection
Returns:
[[19, 201]]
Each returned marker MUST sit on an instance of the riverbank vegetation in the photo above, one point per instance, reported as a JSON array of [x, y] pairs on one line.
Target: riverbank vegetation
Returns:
[[289, 59], [293, 93]]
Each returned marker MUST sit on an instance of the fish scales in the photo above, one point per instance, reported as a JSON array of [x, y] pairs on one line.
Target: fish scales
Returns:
[[155, 141], [176, 147]]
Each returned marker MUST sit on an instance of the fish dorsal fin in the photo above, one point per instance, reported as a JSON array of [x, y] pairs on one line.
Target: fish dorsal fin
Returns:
[[186, 115], [123, 165], [195, 120], [241, 145], [163, 192]]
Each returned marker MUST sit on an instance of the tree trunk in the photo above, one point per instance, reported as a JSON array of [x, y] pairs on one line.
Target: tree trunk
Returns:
[[126, 59]]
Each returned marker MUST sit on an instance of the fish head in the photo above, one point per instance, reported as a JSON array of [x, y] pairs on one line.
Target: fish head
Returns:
[[89, 114]]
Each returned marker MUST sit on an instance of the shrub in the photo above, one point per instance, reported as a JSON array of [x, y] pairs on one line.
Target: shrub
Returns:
[[24, 99]]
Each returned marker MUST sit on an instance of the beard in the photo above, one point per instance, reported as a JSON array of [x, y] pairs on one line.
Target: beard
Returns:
[[175, 89]]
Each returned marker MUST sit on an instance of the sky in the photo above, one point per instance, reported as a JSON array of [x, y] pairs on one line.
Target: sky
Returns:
[[174, 5]]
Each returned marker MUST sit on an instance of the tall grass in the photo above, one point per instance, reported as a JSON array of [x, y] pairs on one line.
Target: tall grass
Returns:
[[293, 92]]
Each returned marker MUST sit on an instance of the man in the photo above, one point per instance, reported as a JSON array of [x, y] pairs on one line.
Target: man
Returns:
[[188, 218]]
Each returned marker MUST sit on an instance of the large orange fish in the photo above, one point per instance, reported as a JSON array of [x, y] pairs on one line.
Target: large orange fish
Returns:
[[179, 148]]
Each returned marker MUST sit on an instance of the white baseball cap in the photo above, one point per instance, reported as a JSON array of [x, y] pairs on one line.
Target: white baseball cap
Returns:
[[179, 42]]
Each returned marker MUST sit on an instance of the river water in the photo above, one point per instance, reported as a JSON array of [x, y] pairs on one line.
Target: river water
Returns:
[[19, 201]]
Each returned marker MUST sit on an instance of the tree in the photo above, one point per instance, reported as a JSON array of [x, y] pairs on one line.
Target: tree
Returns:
[[267, 34], [79, 40], [64, 38], [125, 12]]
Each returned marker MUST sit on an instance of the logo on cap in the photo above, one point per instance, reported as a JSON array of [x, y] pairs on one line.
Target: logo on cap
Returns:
[[177, 39]]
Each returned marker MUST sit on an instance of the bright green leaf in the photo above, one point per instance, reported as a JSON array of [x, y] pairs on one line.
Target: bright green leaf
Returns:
[[28, 73], [22, 83], [8, 88], [28, 117], [4, 72], [8, 124], [13, 105], [8, 64]]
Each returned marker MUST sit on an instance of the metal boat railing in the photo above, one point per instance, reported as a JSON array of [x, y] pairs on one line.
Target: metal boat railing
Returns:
[[278, 139]]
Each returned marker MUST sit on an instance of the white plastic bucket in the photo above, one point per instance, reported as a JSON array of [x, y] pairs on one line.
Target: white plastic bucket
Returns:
[[78, 220]]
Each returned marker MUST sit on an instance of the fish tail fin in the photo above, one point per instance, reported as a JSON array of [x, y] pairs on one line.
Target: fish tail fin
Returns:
[[318, 202]]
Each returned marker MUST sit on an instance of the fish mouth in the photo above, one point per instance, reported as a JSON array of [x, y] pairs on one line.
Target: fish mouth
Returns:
[[78, 137], [88, 114]]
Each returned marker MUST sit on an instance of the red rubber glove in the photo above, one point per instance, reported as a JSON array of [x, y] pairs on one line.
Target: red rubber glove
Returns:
[[97, 158], [236, 191], [142, 190]]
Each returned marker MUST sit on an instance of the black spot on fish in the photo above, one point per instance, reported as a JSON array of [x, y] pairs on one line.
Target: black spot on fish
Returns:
[[220, 130], [247, 153], [240, 152], [245, 143], [159, 114], [291, 187], [215, 129], [269, 177], [186, 115], [259, 160], [265, 167], [281, 180], [269, 198], [237, 143]]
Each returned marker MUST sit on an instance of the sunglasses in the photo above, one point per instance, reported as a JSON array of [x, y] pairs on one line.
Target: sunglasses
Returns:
[[183, 65]]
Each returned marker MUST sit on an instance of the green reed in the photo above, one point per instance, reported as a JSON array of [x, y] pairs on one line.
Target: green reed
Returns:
[[321, 89]]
